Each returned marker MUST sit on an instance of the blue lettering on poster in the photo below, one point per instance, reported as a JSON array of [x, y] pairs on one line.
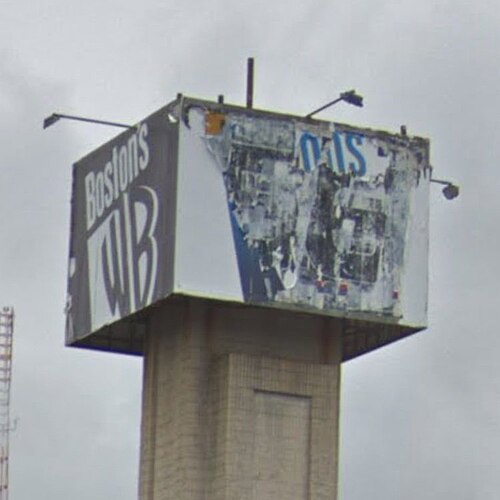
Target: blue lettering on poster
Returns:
[[352, 141], [310, 150], [339, 151], [314, 150]]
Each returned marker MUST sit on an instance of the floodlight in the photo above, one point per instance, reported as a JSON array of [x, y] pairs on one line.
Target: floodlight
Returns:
[[450, 190], [50, 120], [350, 96]]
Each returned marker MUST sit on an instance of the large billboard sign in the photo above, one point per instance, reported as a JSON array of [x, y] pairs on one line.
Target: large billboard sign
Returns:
[[216, 201], [118, 261]]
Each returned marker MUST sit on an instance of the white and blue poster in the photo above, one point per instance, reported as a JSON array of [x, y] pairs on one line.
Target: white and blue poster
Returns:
[[302, 215]]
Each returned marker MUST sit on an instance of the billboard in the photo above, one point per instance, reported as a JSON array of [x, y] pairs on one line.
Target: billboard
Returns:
[[250, 207], [122, 217]]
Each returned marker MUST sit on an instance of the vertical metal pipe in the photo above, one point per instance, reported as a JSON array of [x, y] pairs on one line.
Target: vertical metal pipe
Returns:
[[250, 82]]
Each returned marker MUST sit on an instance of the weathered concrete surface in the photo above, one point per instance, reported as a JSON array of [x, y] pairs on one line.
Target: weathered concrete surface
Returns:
[[239, 404]]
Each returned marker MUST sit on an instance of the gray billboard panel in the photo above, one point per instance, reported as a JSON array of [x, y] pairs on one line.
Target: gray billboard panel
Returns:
[[122, 237]]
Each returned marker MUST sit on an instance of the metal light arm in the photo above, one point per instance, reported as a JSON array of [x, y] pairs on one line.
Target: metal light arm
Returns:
[[440, 181], [54, 117], [350, 97]]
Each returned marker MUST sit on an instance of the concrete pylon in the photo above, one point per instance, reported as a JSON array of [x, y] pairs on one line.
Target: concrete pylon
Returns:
[[239, 403]]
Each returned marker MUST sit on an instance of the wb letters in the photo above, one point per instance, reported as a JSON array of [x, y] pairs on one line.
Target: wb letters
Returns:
[[121, 219]]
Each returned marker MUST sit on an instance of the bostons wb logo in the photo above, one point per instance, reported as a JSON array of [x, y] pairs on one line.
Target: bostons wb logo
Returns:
[[122, 248]]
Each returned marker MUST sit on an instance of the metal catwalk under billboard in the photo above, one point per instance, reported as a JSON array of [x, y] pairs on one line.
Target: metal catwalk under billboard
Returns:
[[220, 202]]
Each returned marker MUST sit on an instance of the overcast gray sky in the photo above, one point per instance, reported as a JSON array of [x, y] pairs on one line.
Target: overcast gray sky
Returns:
[[420, 419]]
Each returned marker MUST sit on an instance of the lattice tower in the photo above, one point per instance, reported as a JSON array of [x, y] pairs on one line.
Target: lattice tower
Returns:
[[6, 331]]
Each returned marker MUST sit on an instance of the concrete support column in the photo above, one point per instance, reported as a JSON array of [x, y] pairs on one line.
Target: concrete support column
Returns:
[[239, 404]]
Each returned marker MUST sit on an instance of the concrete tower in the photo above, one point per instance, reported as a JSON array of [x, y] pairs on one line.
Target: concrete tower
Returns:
[[245, 255]]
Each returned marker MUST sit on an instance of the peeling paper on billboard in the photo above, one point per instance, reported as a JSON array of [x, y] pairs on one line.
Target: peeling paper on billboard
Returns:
[[322, 216]]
